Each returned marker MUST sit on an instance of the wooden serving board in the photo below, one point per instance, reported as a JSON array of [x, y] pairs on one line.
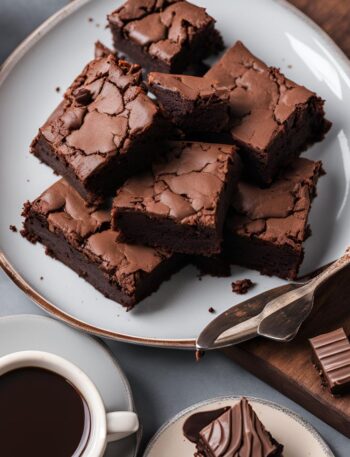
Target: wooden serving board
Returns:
[[287, 366]]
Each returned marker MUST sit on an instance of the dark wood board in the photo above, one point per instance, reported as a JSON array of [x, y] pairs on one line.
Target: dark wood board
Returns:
[[287, 366]]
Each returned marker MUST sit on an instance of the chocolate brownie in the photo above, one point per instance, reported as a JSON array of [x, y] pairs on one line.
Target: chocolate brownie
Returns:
[[273, 119], [331, 355], [231, 432], [80, 236], [265, 228], [182, 202], [192, 103], [164, 35], [97, 135], [101, 50]]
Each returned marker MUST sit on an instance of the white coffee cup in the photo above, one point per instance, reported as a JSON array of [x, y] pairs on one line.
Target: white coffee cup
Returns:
[[105, 427]]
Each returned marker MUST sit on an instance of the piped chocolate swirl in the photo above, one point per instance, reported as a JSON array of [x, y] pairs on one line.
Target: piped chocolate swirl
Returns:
[[237, 432]]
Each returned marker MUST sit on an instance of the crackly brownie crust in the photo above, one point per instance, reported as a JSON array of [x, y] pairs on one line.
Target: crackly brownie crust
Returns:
[[80, 236], [265, 228], [273, 119], [181, 204], [164, 35], [96, 137], [192, 103]]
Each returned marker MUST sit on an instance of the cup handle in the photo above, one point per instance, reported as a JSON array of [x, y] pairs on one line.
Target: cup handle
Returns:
[[121, 424]]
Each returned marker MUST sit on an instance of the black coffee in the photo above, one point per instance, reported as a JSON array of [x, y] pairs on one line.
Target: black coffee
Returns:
[[41, 415]]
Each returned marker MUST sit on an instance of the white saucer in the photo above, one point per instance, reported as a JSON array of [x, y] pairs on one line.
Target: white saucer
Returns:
[[26, 332], [299, 438]]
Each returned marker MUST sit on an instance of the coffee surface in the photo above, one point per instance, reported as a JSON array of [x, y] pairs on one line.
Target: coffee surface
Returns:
[[41, 415]]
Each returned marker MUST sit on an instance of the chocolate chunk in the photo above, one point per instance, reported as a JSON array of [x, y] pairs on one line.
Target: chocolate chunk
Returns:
[[236, 432], [80, 236], [192, 103], [183, 201], [265, 228], [273, 119], [96, 138], [164, 35], [331, 355], [241, 286]]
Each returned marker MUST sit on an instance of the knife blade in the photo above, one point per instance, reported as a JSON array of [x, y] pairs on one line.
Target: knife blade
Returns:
[[276, 314]]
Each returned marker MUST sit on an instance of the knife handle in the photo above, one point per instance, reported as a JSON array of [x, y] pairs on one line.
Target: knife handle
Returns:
[[330, 271]]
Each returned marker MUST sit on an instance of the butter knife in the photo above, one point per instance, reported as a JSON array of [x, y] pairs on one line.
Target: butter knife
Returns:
[[276, 314]]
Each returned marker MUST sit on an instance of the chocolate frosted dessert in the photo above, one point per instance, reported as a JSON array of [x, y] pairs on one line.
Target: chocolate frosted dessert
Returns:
[[164, 35], [80, 236], [192, 103], [266, 228], [273, 119], [231, 432], [99, 135], [331, 355], [182, 202]]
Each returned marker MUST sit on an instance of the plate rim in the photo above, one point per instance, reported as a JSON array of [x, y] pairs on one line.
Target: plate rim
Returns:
[[35, 296], [105, 348], [297, 417]]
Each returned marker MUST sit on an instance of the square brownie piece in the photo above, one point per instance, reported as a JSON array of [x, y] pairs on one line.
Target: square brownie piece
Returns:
[[265, 228], [273, 119], [192, 103], [182, 202], [164, 35], [231, 432], [96, 137], [80, 236]]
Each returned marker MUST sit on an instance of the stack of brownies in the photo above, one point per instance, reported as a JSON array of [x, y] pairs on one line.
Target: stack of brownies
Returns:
[[206, 172]]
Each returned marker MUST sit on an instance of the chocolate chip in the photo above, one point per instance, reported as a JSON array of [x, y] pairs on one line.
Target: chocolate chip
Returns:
[[82, 96]]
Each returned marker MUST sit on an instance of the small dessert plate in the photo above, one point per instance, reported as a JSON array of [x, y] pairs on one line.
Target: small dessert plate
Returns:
[[29, 332], [298, 437]]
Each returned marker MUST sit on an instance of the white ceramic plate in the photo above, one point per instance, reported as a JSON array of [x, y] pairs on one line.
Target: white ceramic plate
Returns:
[[298, 437], [28, 332], [53, 56]]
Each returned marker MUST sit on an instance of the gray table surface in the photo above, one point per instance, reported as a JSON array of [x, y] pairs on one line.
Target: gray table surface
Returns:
[[163, 381]]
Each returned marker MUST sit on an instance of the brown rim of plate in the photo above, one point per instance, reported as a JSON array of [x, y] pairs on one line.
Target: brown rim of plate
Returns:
[[38, 299]]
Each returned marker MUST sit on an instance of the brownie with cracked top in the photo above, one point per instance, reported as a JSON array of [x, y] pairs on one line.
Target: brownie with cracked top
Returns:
[[231, 432], [81, 237], [96, 137], [164, 35], [265, 228], [192, 103], [181, 203], [273, 119]]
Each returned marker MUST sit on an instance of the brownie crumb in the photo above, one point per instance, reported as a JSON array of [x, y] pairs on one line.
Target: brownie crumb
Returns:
[[290, 66], [58, 89], [241, 286], [211, 310], [97, 25], [13, 228], [41, 278], [199, 355], [91, 19]]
